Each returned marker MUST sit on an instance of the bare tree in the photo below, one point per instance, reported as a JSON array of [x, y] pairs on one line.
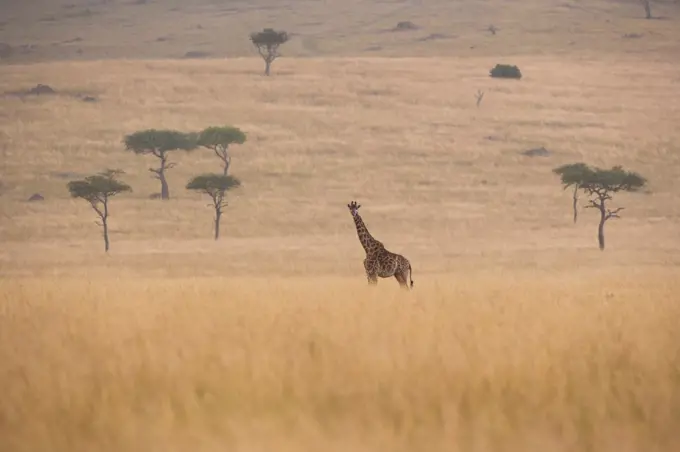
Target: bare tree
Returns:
[[97, 190], [479, 96]]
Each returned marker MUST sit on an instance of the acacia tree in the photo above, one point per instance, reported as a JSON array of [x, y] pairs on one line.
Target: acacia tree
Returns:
[[97, 190], [570, 173], [600, 185], [218, 139], [160, 143], [215, 186], [267, 42]]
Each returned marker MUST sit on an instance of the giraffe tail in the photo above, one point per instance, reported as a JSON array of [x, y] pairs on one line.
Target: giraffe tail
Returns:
[[410, 274]]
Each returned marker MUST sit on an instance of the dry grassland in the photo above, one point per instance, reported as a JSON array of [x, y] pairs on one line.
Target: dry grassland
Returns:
[[515, 362], [520, 334], [440, 179]]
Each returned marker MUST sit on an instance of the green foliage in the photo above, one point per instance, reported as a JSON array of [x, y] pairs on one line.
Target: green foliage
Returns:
[[268, 37], [616, 179], [505, 71], [572, 173], [267, 42], [599, 184], [213, 184], [220, 137], [154, 141], [594, 179], [99, 187], [159, 143]]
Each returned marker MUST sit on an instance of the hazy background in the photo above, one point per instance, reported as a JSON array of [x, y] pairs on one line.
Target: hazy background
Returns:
[[169, 29]]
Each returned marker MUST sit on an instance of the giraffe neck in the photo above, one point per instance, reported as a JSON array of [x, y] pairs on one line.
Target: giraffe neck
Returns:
[[365, 237]]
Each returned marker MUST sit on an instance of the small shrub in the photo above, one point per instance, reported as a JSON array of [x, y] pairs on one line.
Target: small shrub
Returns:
[[405, 25], [506, 71]]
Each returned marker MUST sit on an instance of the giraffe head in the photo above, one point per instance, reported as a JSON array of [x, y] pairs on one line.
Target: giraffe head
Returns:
[[354, 208]]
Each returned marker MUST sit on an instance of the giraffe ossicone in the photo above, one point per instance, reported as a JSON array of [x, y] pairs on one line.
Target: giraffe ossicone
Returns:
[[379, 262]]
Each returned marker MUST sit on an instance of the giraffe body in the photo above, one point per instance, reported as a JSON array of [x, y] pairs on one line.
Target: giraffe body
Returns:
[[379, 261]]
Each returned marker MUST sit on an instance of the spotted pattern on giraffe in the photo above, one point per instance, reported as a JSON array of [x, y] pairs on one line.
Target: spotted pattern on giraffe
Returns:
[[380, 262]]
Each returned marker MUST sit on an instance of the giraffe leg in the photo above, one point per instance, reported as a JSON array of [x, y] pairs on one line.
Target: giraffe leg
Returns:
[[401, 279], [370, 273]]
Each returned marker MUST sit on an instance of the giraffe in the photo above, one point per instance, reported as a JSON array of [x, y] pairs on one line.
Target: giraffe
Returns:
[[379, 261]]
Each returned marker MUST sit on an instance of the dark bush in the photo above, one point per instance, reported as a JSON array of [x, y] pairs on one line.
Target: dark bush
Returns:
[[506, 71]]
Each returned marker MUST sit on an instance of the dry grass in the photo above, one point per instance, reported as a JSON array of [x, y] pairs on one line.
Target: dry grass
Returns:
[[520, 334], [528, 361], [439, 179]]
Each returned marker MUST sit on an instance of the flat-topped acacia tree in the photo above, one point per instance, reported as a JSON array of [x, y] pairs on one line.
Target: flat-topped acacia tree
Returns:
[[267, 42], [160, 143], [219, 139], [570, 178], [97, 190], [215, 186], [600, 185]]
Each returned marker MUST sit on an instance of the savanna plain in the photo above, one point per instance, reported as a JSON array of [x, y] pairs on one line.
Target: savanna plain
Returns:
[[519, 333]]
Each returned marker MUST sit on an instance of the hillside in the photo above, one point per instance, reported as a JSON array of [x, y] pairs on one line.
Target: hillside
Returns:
[[43, 30]]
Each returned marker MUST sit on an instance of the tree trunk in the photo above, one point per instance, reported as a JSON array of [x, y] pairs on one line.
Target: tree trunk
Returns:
[[575, 203], [648, 8], [268, 64], [165, 190], [227, 162], [160, 173], [106, 237], [105, 226], [600, 228], [218, 214], [222, 152]]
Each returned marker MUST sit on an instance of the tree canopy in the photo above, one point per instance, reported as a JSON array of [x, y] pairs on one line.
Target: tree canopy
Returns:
[[595, 180], [219, 139], [212, 184], [155, 141], [98, 187], [214, 136], [268, 37], [572, 173], [97, 190]]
